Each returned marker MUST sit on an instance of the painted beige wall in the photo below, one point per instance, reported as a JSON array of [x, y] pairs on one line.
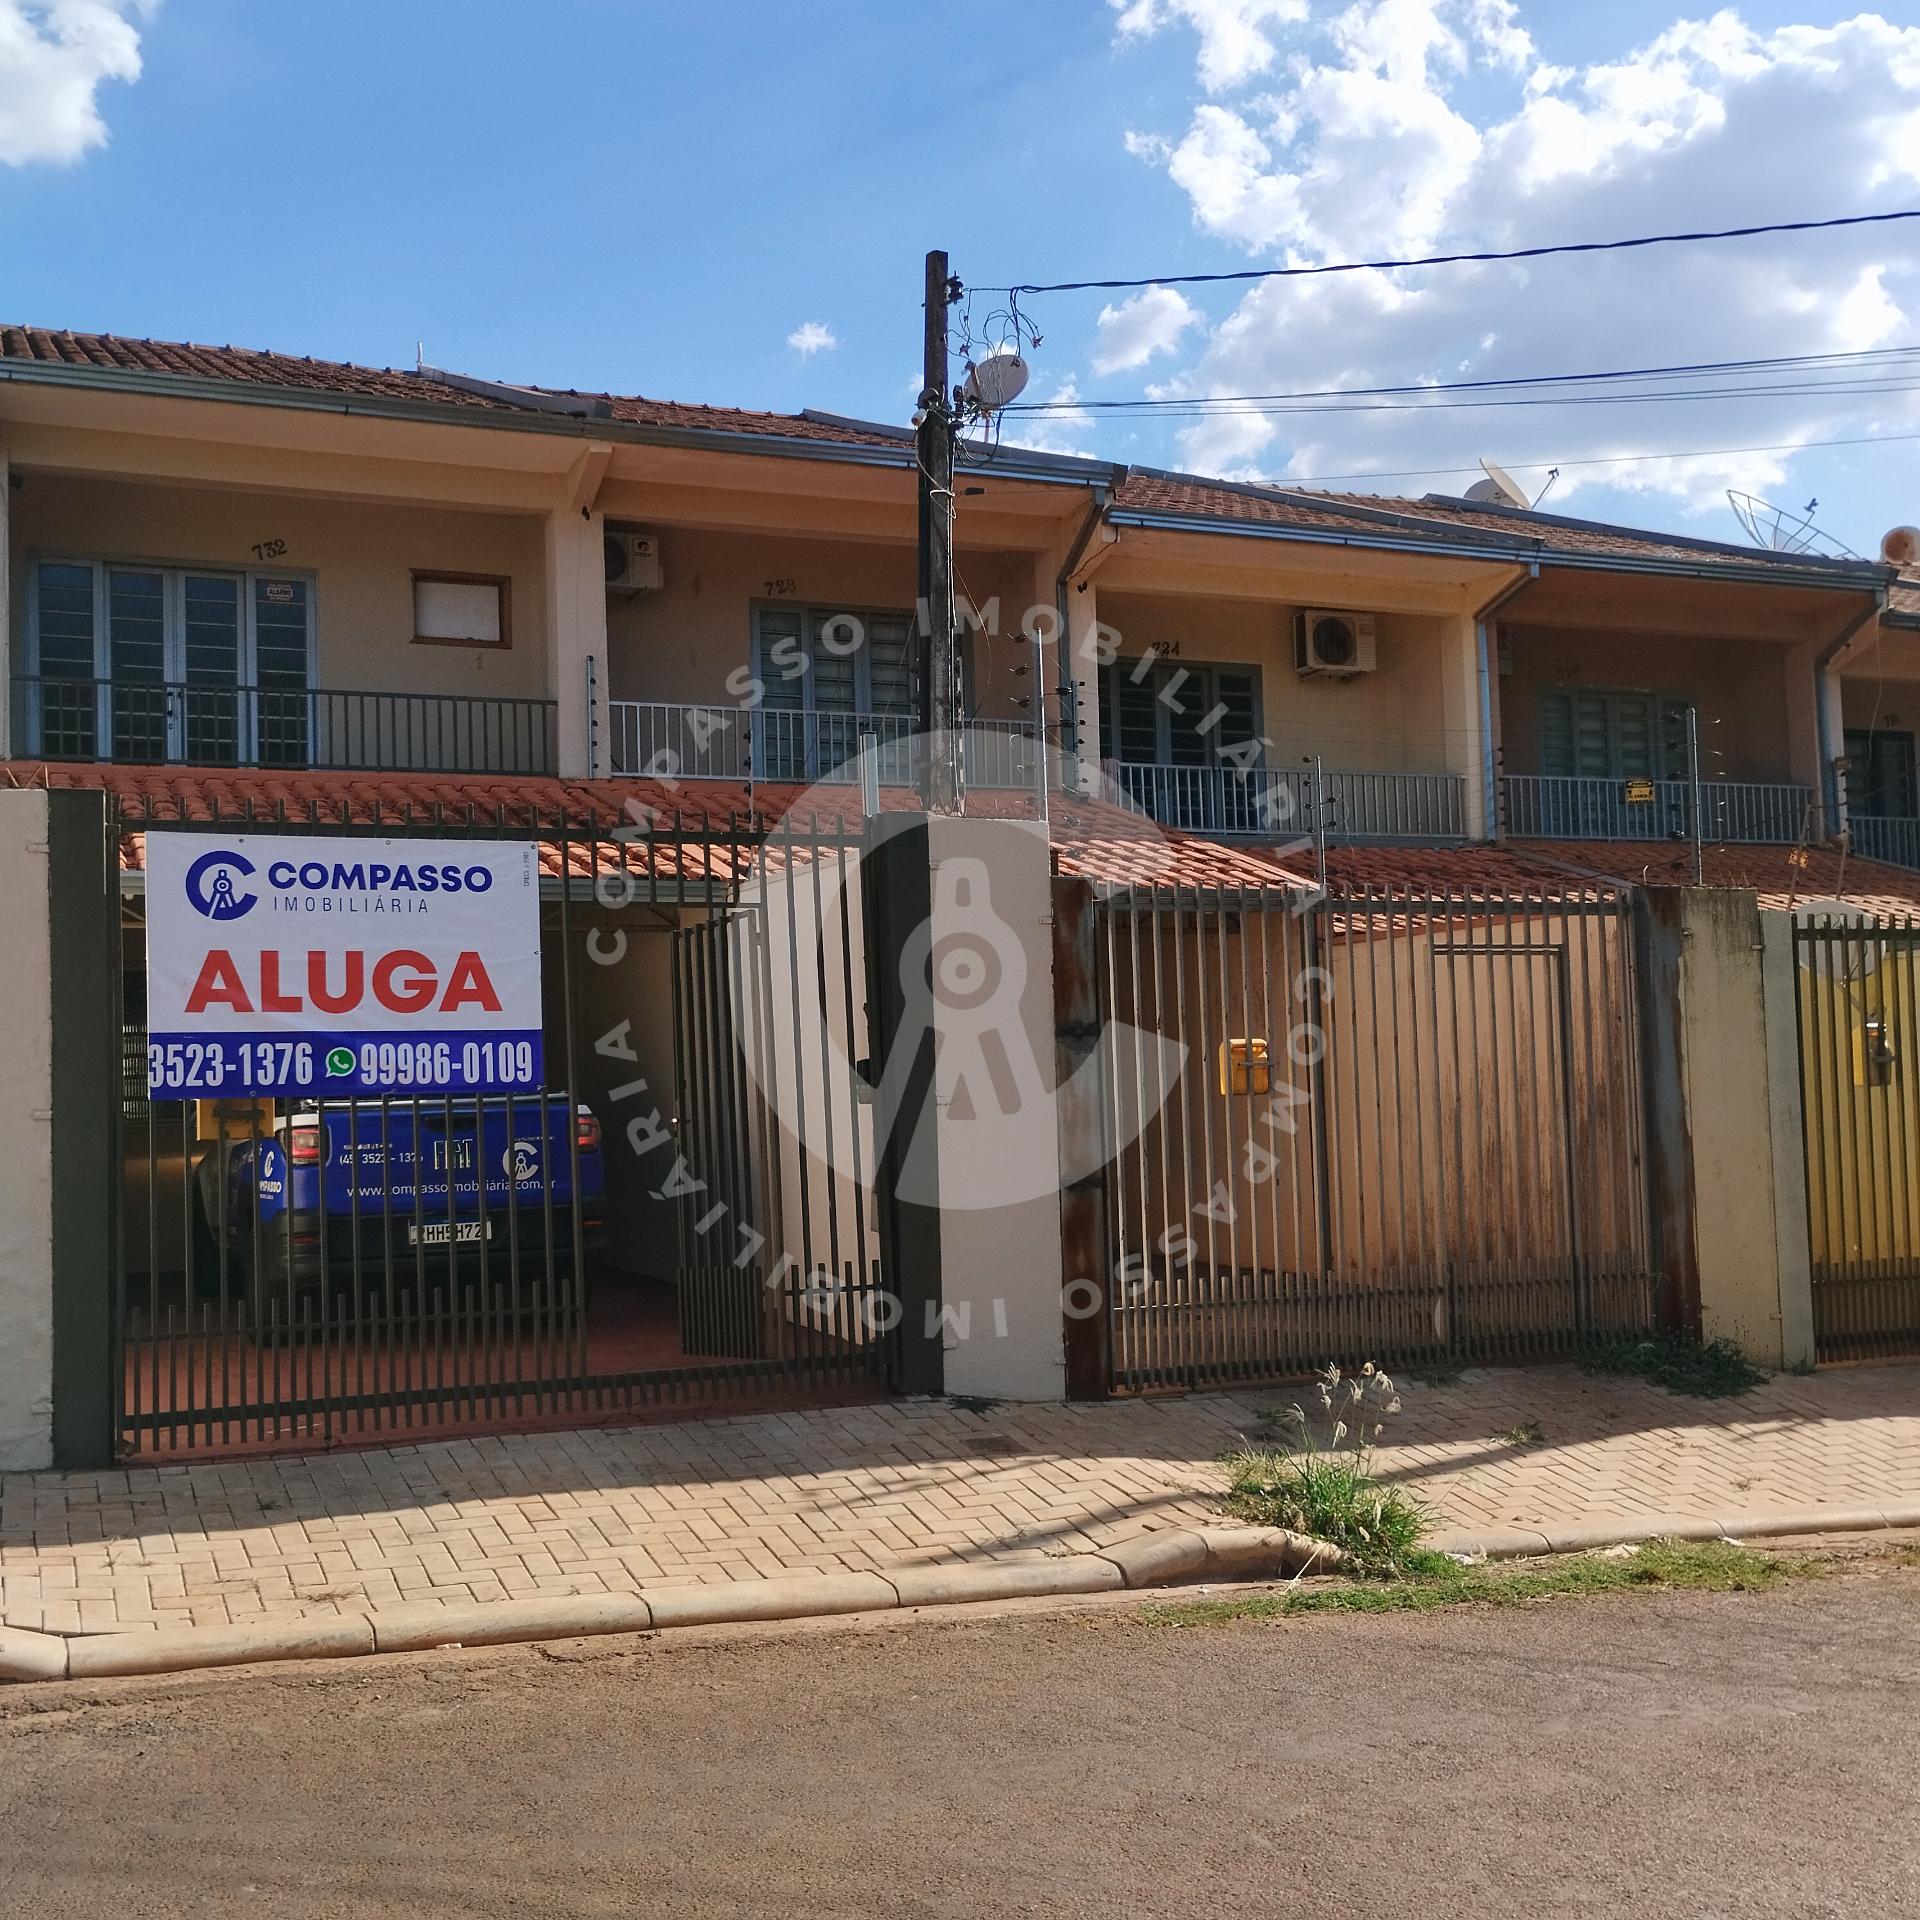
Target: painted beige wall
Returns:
[[1393, 720], [361, 557], [680, 643], [1741, 688], [26, 1141]]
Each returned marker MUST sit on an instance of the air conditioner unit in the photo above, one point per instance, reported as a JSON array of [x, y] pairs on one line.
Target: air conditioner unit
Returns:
[[1336, 644], [633, 562]]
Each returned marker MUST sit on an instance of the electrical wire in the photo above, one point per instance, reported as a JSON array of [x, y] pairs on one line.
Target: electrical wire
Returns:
[[1455, 259], [1807, 363]]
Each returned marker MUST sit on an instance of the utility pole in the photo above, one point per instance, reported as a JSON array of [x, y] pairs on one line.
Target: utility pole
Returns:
[[941, 696]]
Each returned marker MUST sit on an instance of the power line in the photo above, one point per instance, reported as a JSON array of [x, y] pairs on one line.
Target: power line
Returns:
[[1602, 459], [1455, 259], [1805, 363]]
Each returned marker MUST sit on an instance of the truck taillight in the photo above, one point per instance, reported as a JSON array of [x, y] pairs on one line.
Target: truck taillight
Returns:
[[303, 1146], [586, 1134]]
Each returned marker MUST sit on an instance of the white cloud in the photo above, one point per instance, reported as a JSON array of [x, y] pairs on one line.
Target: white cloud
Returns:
[[811, 337], [1402, 127], [1134, 331], [1234, 41], [53, 57], [1066, 429]]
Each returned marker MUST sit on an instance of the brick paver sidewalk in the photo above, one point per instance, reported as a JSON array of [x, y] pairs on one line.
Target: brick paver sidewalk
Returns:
[[877, 1486]]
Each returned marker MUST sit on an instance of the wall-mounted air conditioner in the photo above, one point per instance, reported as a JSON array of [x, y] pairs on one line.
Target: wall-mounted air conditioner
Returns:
[[633, 562], [1335, 644]]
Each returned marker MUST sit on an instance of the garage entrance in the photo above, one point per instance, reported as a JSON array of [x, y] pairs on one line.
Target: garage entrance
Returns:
[[680, 1219]]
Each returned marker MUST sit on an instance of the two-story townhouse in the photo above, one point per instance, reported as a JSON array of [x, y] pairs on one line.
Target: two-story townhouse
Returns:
[[241, 585], [225, 558]]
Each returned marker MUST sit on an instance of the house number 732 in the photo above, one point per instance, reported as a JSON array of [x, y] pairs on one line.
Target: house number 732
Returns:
[[270, 550]]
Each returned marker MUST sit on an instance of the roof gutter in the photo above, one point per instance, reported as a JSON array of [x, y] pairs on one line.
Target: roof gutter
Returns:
[[1831, 796], [1069, 684], [182, 386], [1483, 668], [1455, 548]]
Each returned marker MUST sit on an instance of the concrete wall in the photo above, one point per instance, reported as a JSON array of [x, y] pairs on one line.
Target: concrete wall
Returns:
[[678, 644], [361, 557], [992, 946], [1742, 691], [26, 1140], [1739, 1080]]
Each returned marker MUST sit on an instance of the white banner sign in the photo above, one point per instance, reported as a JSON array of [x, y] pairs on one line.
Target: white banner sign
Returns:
[[279, 964]]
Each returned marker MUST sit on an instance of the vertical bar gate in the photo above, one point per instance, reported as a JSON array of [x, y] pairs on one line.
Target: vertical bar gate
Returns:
[[1859, 1041], [1407, 1125], [681, 1217]]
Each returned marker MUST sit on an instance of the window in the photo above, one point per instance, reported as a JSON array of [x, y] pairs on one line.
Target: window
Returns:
[[1170, 714], [158, 664], [462, 610], [1587, 732], [824, 674]]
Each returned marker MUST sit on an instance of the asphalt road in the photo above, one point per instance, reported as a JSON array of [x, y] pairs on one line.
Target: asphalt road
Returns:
[[1685, 1755]]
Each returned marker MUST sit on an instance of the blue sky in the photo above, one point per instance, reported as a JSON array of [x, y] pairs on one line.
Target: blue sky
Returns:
[[654, 197]]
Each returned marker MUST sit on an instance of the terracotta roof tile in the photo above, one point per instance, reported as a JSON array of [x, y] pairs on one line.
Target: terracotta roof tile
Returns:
[[1766, 870], [250, 366]]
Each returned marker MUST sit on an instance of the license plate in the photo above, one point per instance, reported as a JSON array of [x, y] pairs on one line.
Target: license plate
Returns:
[[448, 1233]]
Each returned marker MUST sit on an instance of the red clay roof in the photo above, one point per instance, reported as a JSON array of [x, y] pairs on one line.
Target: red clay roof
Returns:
[[1767, 871], [1441, 519], [249, 366], [1091, 839]]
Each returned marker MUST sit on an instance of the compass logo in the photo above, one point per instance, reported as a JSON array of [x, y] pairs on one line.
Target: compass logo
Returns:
[[213, 885]]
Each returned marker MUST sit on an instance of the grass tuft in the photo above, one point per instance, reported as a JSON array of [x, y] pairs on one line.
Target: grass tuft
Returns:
[[1427, 1581], [1331, 1497], [1709, 1370]]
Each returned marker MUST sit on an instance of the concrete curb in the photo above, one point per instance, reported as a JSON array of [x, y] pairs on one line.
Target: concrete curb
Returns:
[[1152, 1560]]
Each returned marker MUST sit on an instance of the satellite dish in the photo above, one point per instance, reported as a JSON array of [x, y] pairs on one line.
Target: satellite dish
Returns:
[[997, 381], [1499, 488], [1782, 530], [1900, 546]]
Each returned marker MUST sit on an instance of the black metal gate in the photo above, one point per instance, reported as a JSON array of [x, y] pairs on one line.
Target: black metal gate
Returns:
[[1387, 1125], [1859, 1019], [660, 1224]]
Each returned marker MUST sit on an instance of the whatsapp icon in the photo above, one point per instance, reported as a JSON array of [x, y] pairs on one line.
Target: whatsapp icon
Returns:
[[339, 1062]]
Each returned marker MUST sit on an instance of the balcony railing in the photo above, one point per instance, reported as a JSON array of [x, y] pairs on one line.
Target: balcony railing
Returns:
[[156, 723], [1876, 837], [1556, 807], [1280, 803], [733, 743]]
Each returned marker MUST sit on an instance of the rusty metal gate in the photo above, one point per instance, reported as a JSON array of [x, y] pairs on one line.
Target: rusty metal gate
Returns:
[[1385, 1125], [1859, 1037], [647, 1229]]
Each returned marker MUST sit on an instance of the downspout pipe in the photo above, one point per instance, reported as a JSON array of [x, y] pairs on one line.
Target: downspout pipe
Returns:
[[1483, 648], [1830, 797], [1069, 688]]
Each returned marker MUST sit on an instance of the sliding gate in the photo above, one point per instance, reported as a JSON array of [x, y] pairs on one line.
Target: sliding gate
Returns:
[[1391, 1126], [675, 1218], [1859, 1008]]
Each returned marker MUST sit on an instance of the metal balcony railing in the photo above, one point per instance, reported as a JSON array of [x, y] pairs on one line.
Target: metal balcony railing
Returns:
[[1558, 807], [1878, 837], [162, 723], [1279, 803], [732, 743]]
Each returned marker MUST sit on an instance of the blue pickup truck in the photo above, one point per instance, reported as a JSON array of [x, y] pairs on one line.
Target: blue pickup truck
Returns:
[[363, 1190]]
